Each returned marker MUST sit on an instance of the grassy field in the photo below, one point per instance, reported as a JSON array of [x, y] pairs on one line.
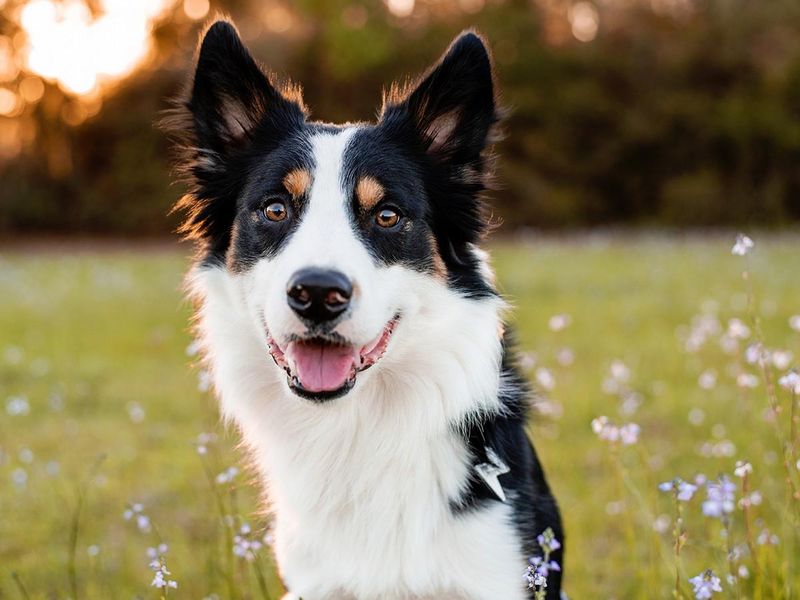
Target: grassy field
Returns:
[[100, 410]]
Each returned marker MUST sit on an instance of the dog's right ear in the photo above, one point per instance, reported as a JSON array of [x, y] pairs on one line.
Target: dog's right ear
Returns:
[[230, 105], [232, 99]]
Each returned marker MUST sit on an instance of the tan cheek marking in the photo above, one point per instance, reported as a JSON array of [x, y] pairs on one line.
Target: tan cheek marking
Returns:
[[439, 268], [369, 192], [297, 182]]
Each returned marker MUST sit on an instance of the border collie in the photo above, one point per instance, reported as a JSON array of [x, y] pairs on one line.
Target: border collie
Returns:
[[354, 332]]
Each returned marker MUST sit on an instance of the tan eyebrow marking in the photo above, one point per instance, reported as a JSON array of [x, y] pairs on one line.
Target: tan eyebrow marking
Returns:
[[297, 182], [369, 192], [439, 268]]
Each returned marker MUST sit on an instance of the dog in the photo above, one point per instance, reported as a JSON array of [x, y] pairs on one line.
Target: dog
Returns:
[[354, 332]]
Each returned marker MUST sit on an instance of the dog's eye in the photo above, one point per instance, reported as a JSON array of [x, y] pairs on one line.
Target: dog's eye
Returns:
[[387, 218], [275, 211]]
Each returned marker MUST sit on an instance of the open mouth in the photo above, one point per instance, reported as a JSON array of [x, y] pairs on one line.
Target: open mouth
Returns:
[[323, 368]]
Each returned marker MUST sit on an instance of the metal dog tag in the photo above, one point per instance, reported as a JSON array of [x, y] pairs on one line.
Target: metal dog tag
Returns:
[[490, 471]]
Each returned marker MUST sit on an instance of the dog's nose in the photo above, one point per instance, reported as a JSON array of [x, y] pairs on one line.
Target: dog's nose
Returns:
[[319, 295]]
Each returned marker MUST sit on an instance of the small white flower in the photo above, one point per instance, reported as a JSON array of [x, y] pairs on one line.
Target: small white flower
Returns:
[[697, 416], [629, 433], [19, 477], [754, 498], [17, 406], [767, 538], [747, 380], [527, 361], [206, 438], [742, 468], [738, 330], [707, 379], [544, 377], [154, 552], [662, 523], [620, 371], [143, 523], [705, 585], [559, 322], [93, 550], [794, 322], [782, 359], [684, 491], [742, 246], [160, 577], [26, 456], [791, 381], [631, 401], [135, 412], [244, 546], [598, 424], [756, 353], [720, 499], [136, 513], [565, 357], [227, 475], [744, 572]]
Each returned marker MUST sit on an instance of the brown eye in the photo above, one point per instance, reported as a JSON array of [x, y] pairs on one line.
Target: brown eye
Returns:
[[387, 218], [276, 211]]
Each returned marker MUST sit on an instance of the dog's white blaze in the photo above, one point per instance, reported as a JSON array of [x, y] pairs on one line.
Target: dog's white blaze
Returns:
[[360, 486]]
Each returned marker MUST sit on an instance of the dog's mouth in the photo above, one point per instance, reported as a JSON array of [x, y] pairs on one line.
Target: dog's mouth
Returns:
[[323, 368]]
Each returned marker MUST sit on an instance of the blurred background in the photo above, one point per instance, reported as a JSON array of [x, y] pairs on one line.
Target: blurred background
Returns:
[[655, 112]]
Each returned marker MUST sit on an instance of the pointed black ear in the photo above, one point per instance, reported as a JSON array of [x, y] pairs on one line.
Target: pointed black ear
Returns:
[[231, 97], [452, 108], [230, 106]]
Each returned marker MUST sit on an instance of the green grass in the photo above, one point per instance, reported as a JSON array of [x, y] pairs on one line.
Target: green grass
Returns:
[[88, 337]]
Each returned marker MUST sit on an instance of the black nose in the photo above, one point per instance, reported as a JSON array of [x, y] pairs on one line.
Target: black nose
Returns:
[[319, 295]]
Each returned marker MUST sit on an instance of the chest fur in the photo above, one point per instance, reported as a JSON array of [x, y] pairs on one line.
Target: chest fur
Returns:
[[362, 509]]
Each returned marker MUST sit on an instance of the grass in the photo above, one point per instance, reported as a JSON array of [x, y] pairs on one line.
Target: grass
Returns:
[[94, 345]]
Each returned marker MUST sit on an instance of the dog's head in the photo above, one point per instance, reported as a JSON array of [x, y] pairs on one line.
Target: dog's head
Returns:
[[336, 235]]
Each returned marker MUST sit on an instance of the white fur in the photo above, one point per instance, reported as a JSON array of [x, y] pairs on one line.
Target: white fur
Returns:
[[360, 486]]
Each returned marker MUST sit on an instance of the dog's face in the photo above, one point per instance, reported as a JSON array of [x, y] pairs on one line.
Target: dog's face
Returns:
[[337, 235]]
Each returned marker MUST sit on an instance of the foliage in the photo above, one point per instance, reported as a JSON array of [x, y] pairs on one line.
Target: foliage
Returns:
[[687, 117]]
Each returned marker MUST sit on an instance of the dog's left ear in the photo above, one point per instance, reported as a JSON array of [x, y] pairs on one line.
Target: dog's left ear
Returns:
[[452, 109]]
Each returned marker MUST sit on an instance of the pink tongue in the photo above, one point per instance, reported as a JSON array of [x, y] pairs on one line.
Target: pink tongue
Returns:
[[320, 368]]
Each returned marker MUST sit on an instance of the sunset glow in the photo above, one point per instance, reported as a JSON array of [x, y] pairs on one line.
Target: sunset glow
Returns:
[[69, 45], [401, 8]]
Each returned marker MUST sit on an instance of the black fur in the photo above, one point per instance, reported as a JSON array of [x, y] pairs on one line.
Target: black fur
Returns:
[[535, 508], [231, 117]]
